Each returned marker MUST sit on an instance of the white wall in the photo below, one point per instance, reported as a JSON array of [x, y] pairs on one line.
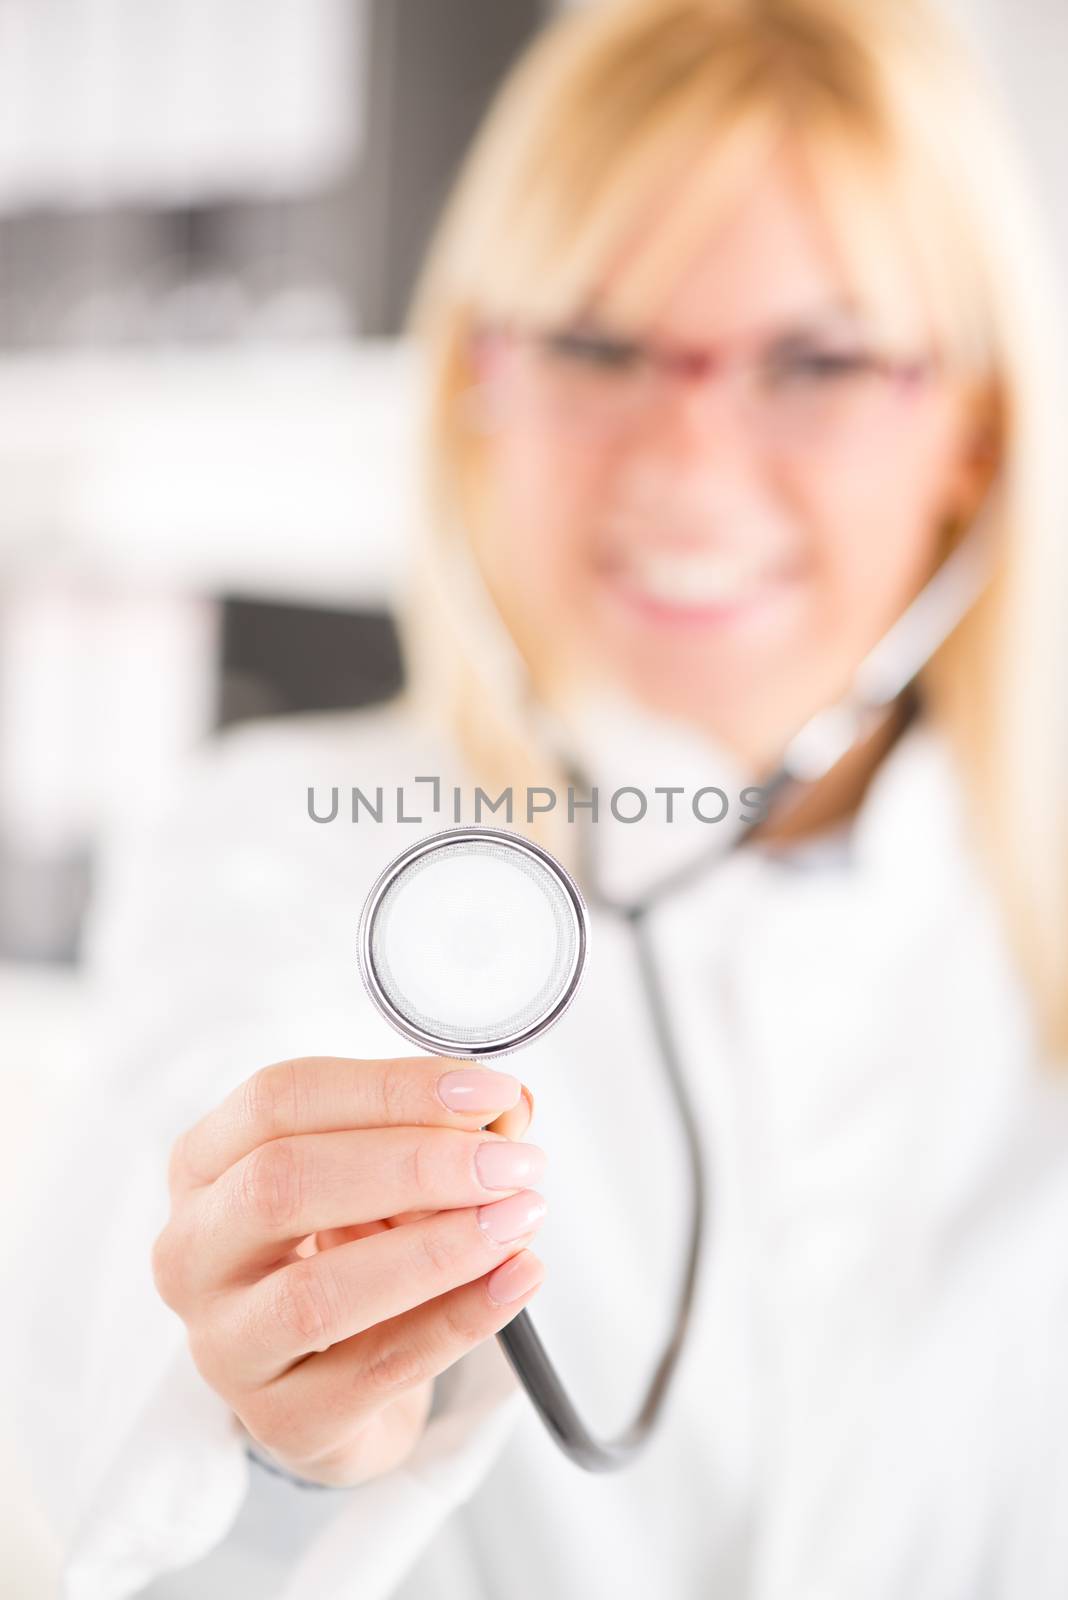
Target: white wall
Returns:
[[1025, 46]]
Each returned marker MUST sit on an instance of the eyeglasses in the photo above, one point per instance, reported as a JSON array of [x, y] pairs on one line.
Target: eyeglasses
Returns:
[[795, 390]]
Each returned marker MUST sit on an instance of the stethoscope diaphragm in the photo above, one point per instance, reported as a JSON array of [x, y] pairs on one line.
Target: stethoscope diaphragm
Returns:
[[472, 941]]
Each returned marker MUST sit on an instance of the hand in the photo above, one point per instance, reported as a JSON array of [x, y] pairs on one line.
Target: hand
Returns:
[[341, 1232]]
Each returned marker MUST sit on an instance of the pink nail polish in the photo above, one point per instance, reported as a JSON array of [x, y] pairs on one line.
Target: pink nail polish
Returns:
[[500, 1164], [504, 1220], [514, 1278], [478, 1089]]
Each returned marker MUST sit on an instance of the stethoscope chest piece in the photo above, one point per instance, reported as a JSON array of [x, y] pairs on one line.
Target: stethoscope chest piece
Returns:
[[472, 942]]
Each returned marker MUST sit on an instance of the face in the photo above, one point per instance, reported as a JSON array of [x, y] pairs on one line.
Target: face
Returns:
[[725, 535]]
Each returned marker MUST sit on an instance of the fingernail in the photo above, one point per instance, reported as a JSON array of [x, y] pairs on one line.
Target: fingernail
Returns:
[[478, 1089], [500, 1164], [528, 1101], [509, 1219], [514, 1278]]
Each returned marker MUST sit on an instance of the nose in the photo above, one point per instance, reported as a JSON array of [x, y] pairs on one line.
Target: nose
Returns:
[[687, 482], [698, 415]]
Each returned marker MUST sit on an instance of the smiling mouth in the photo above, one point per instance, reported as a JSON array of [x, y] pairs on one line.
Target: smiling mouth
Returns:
[[695, 582]]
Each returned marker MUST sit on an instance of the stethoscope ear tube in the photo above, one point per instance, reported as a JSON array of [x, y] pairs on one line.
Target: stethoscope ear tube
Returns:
[[893, 664]]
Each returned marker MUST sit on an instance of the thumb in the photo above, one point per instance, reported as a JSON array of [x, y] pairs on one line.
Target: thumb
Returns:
[[513, 1124]]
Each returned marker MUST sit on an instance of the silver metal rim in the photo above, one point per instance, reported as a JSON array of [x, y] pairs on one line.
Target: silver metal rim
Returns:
[[438, 1044]]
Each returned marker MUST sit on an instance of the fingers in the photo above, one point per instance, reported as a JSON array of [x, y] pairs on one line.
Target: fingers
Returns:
[[322, 1094], [513, 1124], [310, 1183], [322, 1300], [321, 1405]]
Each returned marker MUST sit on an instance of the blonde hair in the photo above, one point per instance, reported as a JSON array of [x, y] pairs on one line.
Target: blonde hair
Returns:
[[900, 132]]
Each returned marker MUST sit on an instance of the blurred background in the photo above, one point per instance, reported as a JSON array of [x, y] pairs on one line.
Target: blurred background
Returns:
[[211, 214]]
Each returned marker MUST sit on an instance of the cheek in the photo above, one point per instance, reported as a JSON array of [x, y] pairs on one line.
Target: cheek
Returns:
[[875, 525], [543, 502]]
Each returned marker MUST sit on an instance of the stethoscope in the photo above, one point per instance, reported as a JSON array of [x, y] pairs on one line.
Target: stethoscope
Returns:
[[473, 941]]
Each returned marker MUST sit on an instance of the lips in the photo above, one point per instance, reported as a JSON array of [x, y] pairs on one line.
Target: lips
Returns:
[[686, 578], [694, 581]]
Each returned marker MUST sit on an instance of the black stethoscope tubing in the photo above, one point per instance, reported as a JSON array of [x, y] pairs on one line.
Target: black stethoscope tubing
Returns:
[[520, 1340], [885, 683]]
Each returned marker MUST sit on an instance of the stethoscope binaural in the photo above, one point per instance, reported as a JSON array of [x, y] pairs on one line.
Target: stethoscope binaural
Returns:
[[490, 902]]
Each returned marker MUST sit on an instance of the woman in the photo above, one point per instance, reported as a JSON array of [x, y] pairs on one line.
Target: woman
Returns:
[[734, 328]]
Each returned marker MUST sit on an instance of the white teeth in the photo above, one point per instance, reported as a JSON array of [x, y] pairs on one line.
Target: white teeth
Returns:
[[686, 579]]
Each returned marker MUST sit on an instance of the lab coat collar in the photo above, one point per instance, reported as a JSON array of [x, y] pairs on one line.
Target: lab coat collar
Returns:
[[912, 809], [908, 814], [658, 782]]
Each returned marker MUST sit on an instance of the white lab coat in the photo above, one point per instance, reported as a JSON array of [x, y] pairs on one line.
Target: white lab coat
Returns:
[[873, 1402]]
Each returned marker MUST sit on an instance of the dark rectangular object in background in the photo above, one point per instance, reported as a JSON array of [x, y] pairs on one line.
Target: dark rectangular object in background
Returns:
[[279, 658], [431, 71]]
